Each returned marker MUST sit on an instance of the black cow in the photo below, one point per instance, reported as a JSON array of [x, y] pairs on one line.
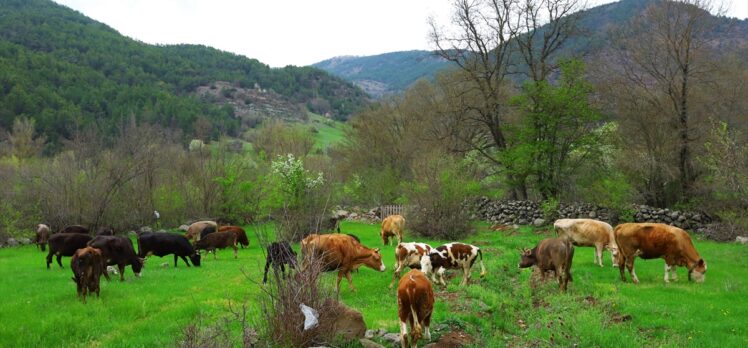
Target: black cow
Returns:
[[207, 230], [105, 231], [119, 251], [162, 244], [65, 244], [551, 254], [75, 229], [279, 254]]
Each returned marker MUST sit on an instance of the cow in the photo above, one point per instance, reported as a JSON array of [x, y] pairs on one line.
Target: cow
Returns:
[[197, 230], [241, 235], [42, 236], [75, 229], [65, 244], [589, 232], [339, 252], [392, 226], [651, 241], [104, 231], [415, 303], [408, 255], [452, 255], [87, 265], [118, 250], [162, 244], [217, 240], [551, 254], [278, 255]]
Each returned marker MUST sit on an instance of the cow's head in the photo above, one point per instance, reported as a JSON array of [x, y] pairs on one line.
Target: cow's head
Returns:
[[137, 266], [697, 272], [613, 248], [527, 258], [195, 258], [374, 260]]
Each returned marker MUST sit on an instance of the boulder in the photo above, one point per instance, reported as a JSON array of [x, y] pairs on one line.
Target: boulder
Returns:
[[347, 323], [24, 241], [393, 338], [366, 343], [11, 242], [741, 240], [538, 222]]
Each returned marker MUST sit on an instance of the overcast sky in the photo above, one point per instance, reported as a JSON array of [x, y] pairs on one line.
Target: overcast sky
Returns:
[[285, 32]]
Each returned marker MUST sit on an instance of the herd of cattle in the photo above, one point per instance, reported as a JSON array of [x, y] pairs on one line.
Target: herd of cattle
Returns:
[[344, 253]]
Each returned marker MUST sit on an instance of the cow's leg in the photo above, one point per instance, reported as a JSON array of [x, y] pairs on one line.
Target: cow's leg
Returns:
[[267, 267], [441, 276], [630, 266], [121, 267], [599, 254], [283, 269], [340, 277], [622, 267], [176, 258], [59, 259], [674, 274], [465, 273], [426, 323], [236, 254], [403, 334], [396, 274], [186, 261], [350, 281], [215, 252], [670, 276], [49, 258]]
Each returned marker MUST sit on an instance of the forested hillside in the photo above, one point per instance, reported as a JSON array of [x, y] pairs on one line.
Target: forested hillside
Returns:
[[68, 71]]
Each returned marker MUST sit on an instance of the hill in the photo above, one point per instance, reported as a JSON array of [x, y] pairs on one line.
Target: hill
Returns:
[[68, 71], [384, 74], [392, 73]]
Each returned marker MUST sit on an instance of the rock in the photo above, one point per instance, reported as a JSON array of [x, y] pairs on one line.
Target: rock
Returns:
[[370, 333], [145, 229], [741, 240], [538, 222], [24, 241], [592, 214], [392, 337], [348, 323], [11, 242], [340, 214], [366, 343], [353, 216], [522, 222]]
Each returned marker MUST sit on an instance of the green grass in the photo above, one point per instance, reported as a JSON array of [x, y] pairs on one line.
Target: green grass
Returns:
[[329, 132], [39, 306]]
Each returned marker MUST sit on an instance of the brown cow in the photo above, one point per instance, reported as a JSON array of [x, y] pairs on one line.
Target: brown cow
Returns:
[[195, 230], [408, 255], [589, 232], [241, 235], [87, 265], [551, 254], [451, 256], [340, 252], [217, 240], [392, 226], [651, 241], [42, 236], [415, 303]]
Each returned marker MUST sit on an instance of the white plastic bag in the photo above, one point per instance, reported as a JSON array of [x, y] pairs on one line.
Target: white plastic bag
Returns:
[[310, 316]]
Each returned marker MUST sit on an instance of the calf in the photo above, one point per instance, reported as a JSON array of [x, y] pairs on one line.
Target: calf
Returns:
[[197, 230], [392, 226], [119, 251], [87, 265], [408, 255], [551, 254], [452, 255], [340, 252], [65, 244], [588, 232], [42, 236], [75, 229], [105, 231], [241, 235], [279, 254], [415, 303], [651, 241], [162, 244], [217, 240]]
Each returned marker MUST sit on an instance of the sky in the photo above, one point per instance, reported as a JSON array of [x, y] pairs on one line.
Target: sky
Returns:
[[286, 32]]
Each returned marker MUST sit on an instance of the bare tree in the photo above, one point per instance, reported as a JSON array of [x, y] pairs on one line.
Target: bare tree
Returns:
[[23, 141]]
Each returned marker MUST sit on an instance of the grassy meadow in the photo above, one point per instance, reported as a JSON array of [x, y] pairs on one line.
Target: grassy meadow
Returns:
[[39, 306]]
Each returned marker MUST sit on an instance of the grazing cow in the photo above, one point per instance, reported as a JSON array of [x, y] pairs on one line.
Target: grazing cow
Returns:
[[415, 303], [392, 226], [279, 255], [75, 229], [241, 235], [408, 255], [118, 250], [340, 252], [198, 229], [588, 232], [42, 236], [65, 244], [217, 240], [452, 255], [105, 231], [87, 265], [162, 244], [551, 254], [651, 241]]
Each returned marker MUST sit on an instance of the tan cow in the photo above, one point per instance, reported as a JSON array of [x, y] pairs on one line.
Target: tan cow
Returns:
[[340, 252], [408, 255], [589, 232], [393, 226], [196, 229], [651, 241], [415, 303]]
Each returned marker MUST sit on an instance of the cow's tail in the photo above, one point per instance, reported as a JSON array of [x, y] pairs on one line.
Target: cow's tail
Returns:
[[482, 267], [416, 328], [569, 258]]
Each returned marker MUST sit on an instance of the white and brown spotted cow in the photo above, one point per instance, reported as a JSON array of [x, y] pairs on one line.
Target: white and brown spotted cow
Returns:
[[589, 232], [454, 256], [408, 255]]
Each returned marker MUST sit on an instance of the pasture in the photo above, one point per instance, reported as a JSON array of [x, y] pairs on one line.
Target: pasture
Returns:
[[38, 307]]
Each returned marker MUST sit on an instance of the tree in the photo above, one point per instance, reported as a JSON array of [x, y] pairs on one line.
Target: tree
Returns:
[[23, 142], [486, 39]]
